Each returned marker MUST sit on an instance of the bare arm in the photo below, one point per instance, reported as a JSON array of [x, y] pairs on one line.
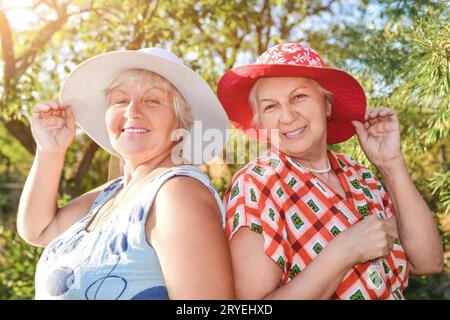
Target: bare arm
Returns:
[[379, 137], [258, 277], [39, 219], [38, 206], [414, 221], [190, 241]]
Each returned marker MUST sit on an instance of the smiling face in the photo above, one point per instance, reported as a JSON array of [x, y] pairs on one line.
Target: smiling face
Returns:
[[296, 107], [140, 118]]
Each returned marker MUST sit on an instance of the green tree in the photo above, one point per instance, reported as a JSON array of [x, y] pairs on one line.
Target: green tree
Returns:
[[398, 50]]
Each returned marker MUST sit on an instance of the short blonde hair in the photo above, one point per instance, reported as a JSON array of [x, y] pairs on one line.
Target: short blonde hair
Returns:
[[254, 104], [182, 109]]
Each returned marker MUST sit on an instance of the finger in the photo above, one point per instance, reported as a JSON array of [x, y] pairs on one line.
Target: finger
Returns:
[[383, 108], [390, 230], [372, 113], [54, 104], [373, 121], [374, 128], [394, 234], [379, 112], [53, 123], [361, 130], [385, 112], [70, 119], [384, 115], [46, 116], [392, 243], [41, 107], [369, 113], [381, 127], [382, 124]]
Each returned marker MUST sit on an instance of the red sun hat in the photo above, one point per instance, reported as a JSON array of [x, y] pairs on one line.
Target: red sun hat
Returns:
[[293, 60]]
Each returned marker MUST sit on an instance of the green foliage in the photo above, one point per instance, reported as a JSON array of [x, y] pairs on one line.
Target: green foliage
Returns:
[[428, 287], [440, 184], [14, 161], [409, 56], [17, 266], [400, 54]]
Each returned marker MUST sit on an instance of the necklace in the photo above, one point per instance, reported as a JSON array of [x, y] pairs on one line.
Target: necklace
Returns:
[[328, 168]]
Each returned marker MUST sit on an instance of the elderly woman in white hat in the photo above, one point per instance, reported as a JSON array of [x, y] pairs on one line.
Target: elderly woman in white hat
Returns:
[[155, 233], [304, 222]]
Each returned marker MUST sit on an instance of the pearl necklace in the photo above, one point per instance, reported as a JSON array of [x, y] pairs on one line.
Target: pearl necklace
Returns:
[[328, 168]]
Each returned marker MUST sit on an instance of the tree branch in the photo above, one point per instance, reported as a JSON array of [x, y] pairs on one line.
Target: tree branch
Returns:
[[219, 49], [22, 133], [268, 23], [236, 42], [137, 29], [83, 166], [42, 38], [313, 10], [9, 67]]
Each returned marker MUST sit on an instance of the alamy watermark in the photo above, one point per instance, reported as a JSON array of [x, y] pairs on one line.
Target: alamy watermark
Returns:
[[200, 145]]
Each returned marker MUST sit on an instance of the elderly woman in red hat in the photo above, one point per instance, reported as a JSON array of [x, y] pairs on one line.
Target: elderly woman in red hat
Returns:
[[319, 225]]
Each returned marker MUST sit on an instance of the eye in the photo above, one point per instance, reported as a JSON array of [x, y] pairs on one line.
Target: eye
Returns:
[[269, 107], [152, 101], [120, 103], [299, 96]]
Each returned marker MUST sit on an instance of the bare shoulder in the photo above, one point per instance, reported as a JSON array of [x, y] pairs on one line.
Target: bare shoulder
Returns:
[[187, 193], [183, 204], [185, 230]]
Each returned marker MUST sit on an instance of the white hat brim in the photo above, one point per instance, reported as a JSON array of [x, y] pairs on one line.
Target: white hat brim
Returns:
[[85, 91]]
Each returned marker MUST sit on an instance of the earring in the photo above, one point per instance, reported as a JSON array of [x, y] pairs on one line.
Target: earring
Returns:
[[178, 137]]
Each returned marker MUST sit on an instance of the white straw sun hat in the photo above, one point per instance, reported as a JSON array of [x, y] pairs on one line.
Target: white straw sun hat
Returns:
[[85, 91]]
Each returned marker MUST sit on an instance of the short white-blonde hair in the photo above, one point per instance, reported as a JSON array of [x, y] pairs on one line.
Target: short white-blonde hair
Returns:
[[254, 103], [182, 109]]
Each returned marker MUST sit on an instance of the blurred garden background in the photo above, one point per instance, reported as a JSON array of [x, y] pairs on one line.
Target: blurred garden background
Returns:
[[399, 50]]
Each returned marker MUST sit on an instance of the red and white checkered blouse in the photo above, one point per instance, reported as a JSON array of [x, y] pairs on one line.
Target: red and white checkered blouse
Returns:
[[298, 214]]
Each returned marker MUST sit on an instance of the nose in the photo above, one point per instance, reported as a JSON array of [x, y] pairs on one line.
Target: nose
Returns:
[[288, 114], [133, 110]]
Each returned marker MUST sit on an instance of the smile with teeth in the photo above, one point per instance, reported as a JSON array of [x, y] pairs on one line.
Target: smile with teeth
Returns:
[[295, 133], [132, 130]]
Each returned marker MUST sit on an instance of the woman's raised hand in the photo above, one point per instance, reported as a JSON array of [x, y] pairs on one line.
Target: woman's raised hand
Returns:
[[53, 127], [379, 136]]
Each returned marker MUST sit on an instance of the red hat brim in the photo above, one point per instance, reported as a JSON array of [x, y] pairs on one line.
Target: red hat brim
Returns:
[[349, 100]]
